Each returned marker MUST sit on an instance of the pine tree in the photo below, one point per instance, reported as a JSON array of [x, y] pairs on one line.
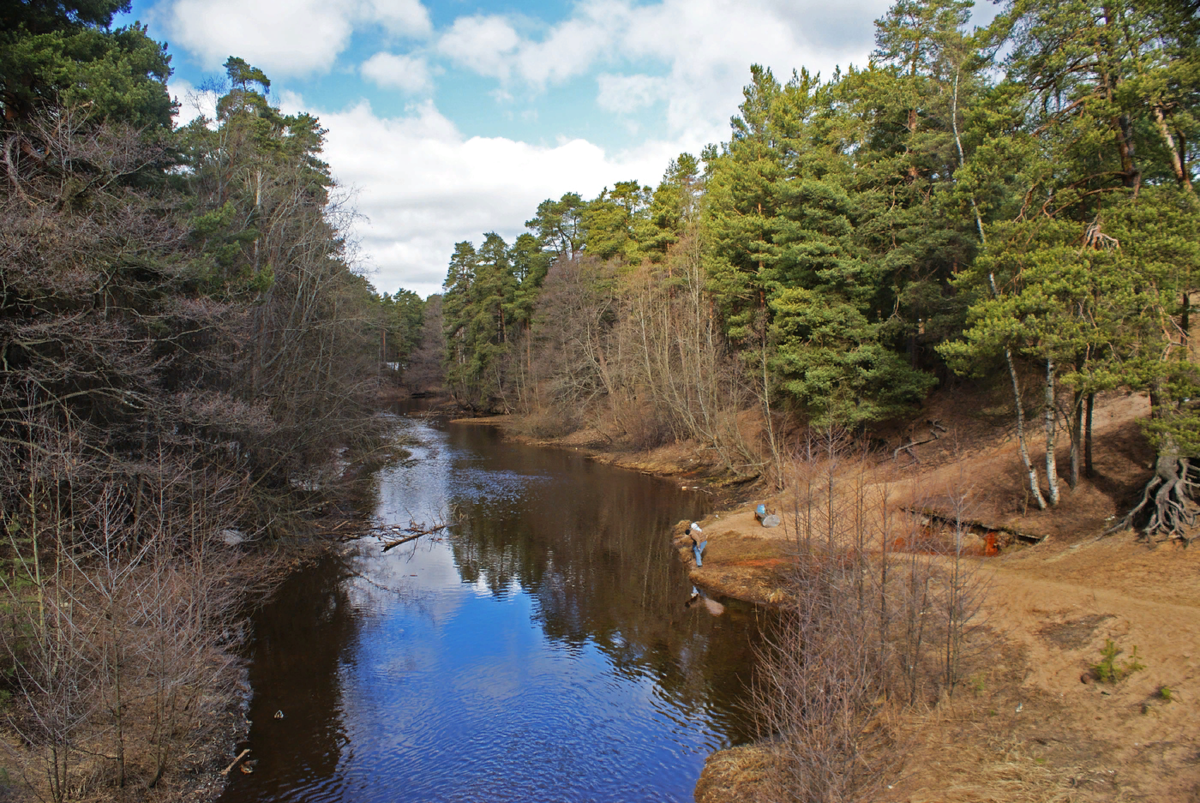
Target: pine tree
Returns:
[[559, 226], [67, 55], [614, 220], [792, 265], [1066, 181], [456, 316], [674, 206]]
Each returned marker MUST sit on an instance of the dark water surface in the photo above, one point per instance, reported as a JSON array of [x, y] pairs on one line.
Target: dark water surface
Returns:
[[539, 651]]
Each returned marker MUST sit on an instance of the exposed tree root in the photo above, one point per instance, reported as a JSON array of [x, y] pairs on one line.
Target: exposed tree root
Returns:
[[1168, 508]]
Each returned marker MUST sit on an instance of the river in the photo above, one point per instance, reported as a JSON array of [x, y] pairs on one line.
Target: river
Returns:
[[540, 649]]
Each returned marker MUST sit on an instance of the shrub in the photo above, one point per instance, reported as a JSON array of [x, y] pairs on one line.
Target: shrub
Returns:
[[1108, 671]]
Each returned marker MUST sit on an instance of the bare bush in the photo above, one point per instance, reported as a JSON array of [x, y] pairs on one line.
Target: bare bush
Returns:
[[114, 592], [824, 700], [880, 623], [639, 354], [677, 358]]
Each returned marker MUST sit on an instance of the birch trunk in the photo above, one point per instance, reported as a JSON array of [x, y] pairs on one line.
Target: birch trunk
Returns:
[[1051, 418]]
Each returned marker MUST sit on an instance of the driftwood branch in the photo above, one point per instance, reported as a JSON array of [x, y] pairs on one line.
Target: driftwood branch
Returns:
[[233, 763], [411, 533], [908, 447], [935, 426]]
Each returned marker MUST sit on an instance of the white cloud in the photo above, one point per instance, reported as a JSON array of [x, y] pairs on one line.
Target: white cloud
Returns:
[[704, 49], [280, 36], [569, 50], [491, 46], [709, 46], [192, 102], [283, 37], [483, 44], [402, 17], [423, 186], [410, 74], [628, 93]]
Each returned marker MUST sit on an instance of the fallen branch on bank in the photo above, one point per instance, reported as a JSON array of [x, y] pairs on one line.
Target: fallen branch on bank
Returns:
[[934, 515], [233, 763], [907, 448], [935, 427]]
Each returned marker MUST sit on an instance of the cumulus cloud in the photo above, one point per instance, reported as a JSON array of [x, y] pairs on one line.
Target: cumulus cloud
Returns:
[[703, 48], [409, 74], [484, 44], [490, 45], [628, 93], [403, 17], [422, 185], [569, 49], [283, 37], [709, 46]]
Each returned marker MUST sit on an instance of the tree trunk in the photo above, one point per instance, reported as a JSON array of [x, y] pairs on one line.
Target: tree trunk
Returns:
[[1168, 505], [1076, 437], [1051, 418], [1177, 165], [1030, 470], [1185, 323], [1088, 469]]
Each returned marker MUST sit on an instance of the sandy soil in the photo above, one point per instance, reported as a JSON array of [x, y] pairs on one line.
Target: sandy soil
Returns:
[[1031, 723]]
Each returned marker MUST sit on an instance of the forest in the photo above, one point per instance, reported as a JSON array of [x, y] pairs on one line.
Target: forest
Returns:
[[1015, 200], [191, 357]]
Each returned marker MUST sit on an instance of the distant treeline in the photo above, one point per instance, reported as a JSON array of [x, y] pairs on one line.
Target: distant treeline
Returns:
[[1015, 200]]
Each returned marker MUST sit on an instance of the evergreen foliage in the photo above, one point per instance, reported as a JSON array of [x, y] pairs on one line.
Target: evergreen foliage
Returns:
[[66, 54]]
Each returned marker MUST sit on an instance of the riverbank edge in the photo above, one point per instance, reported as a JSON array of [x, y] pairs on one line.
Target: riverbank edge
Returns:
[[207, 775]]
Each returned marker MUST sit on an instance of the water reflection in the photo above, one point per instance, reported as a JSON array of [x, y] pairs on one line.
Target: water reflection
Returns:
[[540, 651]]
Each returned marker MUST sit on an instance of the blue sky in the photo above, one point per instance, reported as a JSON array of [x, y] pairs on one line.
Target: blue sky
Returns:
[[450, 119]]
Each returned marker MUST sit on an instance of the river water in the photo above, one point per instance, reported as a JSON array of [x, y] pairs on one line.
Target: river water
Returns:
[[539, 650]]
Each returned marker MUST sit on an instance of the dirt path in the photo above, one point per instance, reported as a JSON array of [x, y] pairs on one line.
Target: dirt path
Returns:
[[1033, 724]]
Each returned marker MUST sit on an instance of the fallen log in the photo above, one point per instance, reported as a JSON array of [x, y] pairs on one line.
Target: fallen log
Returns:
[[1029, 538], [908, 447]]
